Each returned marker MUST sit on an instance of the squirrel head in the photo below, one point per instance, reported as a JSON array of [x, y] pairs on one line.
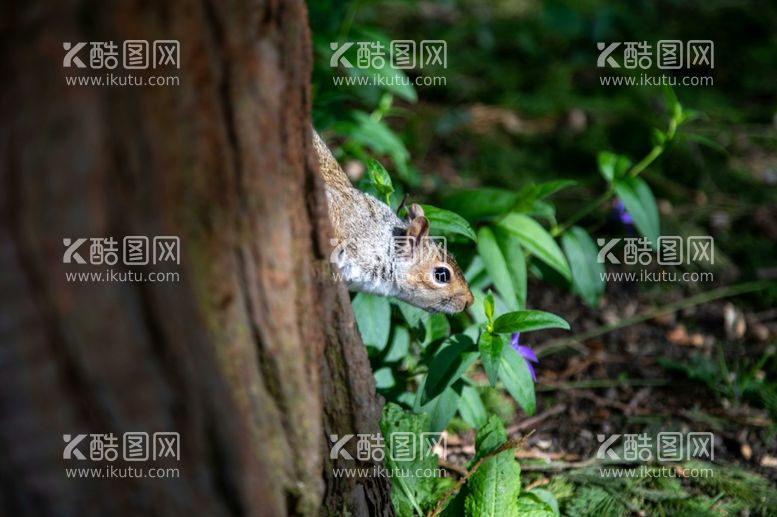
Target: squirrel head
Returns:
[[428, 277]]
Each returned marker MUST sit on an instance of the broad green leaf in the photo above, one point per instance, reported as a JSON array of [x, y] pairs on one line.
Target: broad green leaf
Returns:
[[479, 204], [517, 379], [525, 321], [417, 319], [399, 346], [496, 266], [471, 407], [384, 378], [641, 205], [456, 354], [443, 407], [491, 347], [543, 210], [488, 307], [587, 271], [377, 136], [537, 240], [447, 221], [475, 270], [493, 489], [373, 318], [516, 263], [437, 328]]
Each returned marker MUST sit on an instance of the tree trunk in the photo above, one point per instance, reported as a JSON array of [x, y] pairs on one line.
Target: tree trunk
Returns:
[[252, 355]]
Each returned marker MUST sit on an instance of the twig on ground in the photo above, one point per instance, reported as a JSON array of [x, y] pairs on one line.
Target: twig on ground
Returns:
[[600, 383], [532, 421], [697, 299]]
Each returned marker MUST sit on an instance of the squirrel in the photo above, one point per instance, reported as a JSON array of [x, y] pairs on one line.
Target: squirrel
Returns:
[[379, 253]]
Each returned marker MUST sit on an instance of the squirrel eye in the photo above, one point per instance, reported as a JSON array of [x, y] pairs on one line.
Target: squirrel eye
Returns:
[[442, 275]]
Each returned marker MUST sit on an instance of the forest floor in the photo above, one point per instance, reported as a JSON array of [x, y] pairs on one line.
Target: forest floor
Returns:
[[660, 375]]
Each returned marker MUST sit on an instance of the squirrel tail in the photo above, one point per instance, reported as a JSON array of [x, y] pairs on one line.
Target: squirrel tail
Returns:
[[330, 170]]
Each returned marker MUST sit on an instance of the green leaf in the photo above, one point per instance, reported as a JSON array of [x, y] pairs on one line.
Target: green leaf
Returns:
[[538, 503], [543, 190], [436, 328], [475, 311], [373, 318], [380, 178], [490, 347], [641, 205], [587, 271], [471, 407], [377, 136], [417, 319], [447, 221], [537, 240], [612, 166], [493, 489], [517, 379], [516, 263], [525, 321], [399, 346], [489, 437], [488, 307], [417, 489], [384, 378], [496, 266], [394, 80], [479, 204], [456, 354], [443, 407]]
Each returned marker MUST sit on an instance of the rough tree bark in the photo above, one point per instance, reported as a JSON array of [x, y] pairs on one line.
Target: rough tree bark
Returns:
[[252, 356]]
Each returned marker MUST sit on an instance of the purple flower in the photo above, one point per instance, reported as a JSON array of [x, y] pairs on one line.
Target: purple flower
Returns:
[[526, 352], [621, 214]]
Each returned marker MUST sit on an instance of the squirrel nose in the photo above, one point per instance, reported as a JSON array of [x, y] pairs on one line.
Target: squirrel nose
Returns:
[[469, 300]]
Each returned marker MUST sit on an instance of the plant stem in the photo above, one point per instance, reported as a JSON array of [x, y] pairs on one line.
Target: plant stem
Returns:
[[647, 160], [697, 299], [601, 383], [587, 209]]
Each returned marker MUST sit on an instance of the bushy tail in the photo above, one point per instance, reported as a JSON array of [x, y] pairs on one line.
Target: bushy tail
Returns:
[[330, 170]]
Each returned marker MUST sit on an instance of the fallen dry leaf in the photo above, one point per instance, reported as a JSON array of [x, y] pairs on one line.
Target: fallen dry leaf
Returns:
[[769, 461], [678, 336]]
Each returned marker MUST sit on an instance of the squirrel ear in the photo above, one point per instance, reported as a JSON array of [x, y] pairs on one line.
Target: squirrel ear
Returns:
[[414, 211], [418, 227]]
